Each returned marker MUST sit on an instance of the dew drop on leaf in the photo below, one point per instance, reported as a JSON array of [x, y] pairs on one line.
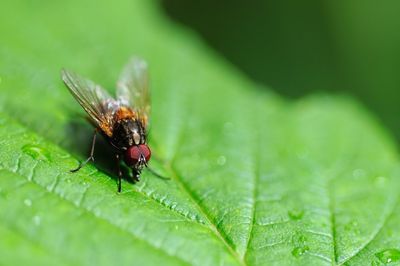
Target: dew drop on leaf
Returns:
[[36, 220], [299, 251], [221, 160], [36, 152], [359, 173], [380, 181], [296, 214], [299, 239], [228, 126], [28, 202], [353, 226], [388, 255]]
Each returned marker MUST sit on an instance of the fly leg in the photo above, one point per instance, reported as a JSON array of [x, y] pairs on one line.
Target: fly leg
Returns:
[[154, 172], [91, 158], [137, 170], [136, 175], [157, 174], [119, 172]]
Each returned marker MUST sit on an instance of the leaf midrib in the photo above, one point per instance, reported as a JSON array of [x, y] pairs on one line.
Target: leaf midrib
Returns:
[[183, 187], [213, 228]]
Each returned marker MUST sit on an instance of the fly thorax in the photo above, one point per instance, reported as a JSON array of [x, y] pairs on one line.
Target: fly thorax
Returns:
[[128, 132], [136, 137]]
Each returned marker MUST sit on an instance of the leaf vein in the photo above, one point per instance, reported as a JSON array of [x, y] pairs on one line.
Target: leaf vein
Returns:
[[375, 234], [201, 209], [89, 211]]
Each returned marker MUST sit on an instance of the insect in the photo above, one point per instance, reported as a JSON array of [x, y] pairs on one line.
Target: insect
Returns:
[[123, 120]]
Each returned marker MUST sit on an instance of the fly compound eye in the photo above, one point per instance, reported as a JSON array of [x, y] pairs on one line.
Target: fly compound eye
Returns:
[[146, 152], [134, 153]]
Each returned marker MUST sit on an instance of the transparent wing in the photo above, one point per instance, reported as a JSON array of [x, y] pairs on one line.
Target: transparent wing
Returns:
[[133, 88], [99, 105]]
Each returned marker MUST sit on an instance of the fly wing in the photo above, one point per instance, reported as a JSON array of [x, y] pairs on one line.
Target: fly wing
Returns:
[[99, 105], [133, 89]]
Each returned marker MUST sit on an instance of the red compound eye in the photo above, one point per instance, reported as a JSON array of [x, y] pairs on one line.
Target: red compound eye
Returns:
[[133, 154]]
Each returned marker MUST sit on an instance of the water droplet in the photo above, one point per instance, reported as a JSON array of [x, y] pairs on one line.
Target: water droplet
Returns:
[[299, 251], [28, 202], [228, 125], [353, 226], [388, 255], [299, 239], [296, 214], [36, 220], [228, 128], [357, 173], [221, 160], [3, 194], [36, 152], [375, 263], [380, 181]]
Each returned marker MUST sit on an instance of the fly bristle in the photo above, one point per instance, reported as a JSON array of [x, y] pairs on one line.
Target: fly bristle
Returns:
[[124, 113]]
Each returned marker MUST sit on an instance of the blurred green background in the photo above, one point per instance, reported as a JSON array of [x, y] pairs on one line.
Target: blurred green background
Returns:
[[302, 47]]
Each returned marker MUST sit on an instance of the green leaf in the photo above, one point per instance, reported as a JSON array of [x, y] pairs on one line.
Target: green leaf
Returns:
[[255, 179]]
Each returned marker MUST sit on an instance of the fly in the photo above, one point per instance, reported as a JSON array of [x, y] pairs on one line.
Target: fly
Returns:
[[123, 120]]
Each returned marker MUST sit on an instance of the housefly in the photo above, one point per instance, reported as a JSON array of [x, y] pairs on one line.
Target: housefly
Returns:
[[123, 120]]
